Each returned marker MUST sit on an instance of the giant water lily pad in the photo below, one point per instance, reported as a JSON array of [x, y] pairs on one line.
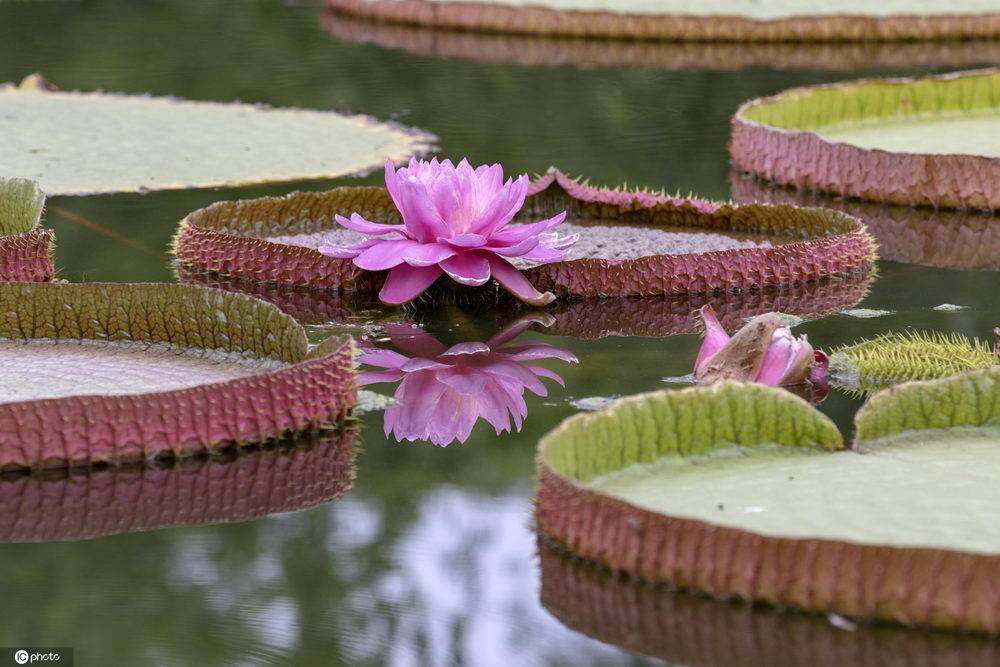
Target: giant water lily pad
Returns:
[[631, 243], [82, 143], [749, 20], [253, 483], [747, 491], [687, 629], [111, 373], [560, 51], [928, 140], [942, 238], [25, 248]]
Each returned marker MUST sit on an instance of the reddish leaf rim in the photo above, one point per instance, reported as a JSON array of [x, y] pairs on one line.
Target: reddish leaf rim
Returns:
[[807, 160], [86, 430], [538, 20]]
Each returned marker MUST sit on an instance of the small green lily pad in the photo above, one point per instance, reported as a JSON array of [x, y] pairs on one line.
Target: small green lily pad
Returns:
[[865, 313], [892, 358]]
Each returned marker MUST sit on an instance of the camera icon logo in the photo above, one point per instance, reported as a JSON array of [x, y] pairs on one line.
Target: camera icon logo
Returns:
[[21, 657]]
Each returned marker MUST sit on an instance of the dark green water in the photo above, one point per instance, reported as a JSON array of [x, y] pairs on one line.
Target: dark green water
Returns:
[[430, 558]]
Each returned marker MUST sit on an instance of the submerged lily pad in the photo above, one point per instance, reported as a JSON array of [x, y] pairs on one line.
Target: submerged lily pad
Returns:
[[83, 143], [632, 243], [560, 51], [25, 248], [251, 484], [893, 358], [686, 629], [926, 140], [748, 20], [915, 235], [112, 373], [746, 491]]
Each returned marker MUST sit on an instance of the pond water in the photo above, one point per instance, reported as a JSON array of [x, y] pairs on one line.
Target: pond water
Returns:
[[430, 557]]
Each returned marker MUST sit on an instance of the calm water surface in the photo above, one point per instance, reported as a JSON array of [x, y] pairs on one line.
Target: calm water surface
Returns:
[[430, 557]]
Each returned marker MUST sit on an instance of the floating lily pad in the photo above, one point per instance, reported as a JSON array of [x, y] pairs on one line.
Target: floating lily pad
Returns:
[[746, 491], [248, 485], [632, 243], [25, 248], [748, 20], [865, 313], [112, 373], [560, 51], [925, 140], [930, 237], [898, 357], [686, 629], [82, 143]]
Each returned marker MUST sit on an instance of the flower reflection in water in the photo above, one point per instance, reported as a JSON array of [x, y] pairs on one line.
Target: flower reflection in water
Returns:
[[444, 391]]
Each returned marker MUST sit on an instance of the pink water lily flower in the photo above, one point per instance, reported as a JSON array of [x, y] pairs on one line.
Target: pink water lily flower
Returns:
[[443, 392], [455, 221], [762, 351]]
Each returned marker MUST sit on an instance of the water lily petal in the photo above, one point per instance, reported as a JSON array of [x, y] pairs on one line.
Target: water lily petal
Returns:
[[391, 182], [358, 224], [340, 251], [799, 367], [514, 282], [532, 351], [384, 255], [427, 254], [545, 254], [778, 358], [420, 364], [466, 240], [406, 283], [384, 358], [462, 380], [553, 240], [517, 233], [503, 206], [414, 340], [516, 250], [715, 337], [375, 377], [541, 371], [467, 348], [468, 268], [517, 373], [420, 215]]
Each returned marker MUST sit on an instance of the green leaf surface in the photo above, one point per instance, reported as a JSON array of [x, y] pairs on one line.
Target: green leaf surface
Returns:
[[21, 204], [84, 143], [926, 472], [59, 340], [934, 115]]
